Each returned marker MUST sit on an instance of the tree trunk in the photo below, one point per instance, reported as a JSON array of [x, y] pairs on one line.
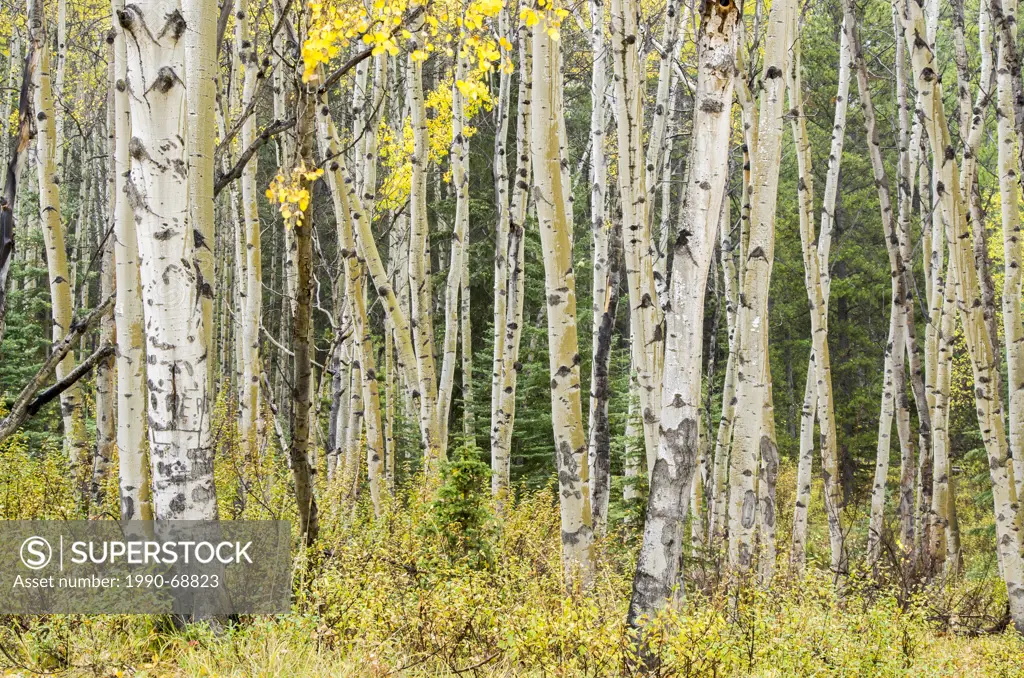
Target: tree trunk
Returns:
[[983, 361], [200, 76], [646, 333], [1009, 197], [671, 478], [419, 266], [180, 444], [752, 321], [504, 415], [798, 550], [75, 435], [249, 404], [302, 321], [822, 365], [554, 214]]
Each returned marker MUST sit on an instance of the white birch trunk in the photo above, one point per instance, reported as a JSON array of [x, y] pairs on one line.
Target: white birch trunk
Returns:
[[75, 443], [752, 392], [672, 476], [554, 214], [983, 360], [181, 449], [504, 415], [819, 319]]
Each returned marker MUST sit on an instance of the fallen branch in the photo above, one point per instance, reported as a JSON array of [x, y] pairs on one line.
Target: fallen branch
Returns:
[[20, 410]]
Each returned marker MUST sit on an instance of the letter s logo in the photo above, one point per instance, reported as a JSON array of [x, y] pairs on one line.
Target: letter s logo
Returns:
[[36, 553]]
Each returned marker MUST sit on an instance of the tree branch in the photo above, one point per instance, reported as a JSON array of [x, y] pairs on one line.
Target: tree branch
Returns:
[[266, 135], [47, 396], [20, 409]]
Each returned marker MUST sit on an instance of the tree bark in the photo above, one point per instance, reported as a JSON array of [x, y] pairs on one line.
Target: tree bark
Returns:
[[754, 377], [983, 360], [671, 478], [554, 214], [180, 444], [75, 435]]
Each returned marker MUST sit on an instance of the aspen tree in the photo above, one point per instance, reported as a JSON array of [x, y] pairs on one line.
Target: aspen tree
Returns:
[[723, 438], [822, 366], [599, 444], [180, 444], [75, 443], [354, 295], [671, 478], [1009, 198], [252, 302], [502, 223], [301, 339], [200, 76], [902, 306], [554, 215], [459, 156], [811, 404], [504, 415], [983, 361], [106, 383], [133, 473], [752, 318], [419, 259], [646, 332]]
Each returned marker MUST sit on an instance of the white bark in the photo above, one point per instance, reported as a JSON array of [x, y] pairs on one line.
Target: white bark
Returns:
[[554, 215], [752, 392], [672, 475], [983, 360], [179, 418], [54, 242]]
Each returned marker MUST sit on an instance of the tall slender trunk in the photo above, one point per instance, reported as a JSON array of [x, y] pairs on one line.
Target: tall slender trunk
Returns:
[[252, 311], [200, 76], [723, 438], [354, 293], [502, 225], [602, 302], [302, 321], [798, 550], [983, 360], [671, 478], [646, 333], [106, 383], [128, 317], [459, 156], [75, 436], [754, 378], [419, 265], [554, 215], [819, 320], [504, 415], [180, 444], [1009, 197]]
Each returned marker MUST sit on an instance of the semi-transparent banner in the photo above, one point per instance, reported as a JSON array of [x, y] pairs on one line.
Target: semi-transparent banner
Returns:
[[145, 567]]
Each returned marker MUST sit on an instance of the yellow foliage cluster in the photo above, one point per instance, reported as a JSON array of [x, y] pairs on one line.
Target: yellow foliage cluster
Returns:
[[547, 13], [292, 194]]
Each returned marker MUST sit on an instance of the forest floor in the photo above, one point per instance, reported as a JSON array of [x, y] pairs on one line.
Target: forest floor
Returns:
[[397, 596]]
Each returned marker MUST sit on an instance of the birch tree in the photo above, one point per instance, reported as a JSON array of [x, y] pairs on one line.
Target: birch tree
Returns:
[[822, 364], [180, 445], [811, 403], [47, 166], [672, 475], [554, 215], [752, 318], [983, 363]]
